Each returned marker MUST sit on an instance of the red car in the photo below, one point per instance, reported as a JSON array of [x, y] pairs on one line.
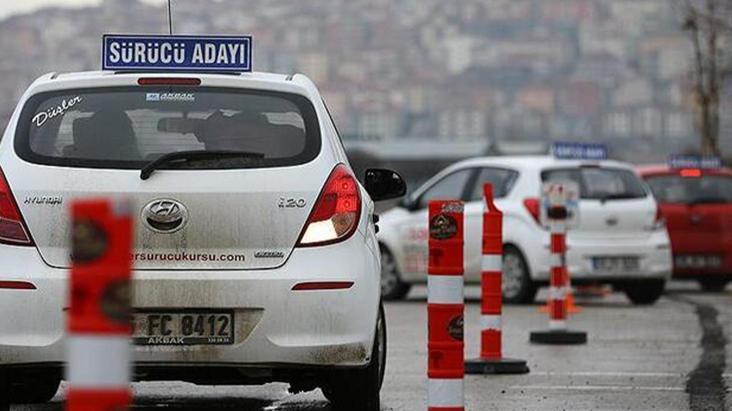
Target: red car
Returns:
[[697, 206]]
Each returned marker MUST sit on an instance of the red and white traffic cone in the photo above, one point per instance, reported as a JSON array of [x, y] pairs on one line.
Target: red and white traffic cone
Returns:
[[491, 359], [558, 332], [98, 343], [445, 307]]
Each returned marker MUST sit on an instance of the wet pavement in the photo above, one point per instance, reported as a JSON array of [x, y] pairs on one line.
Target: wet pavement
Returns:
[[669, 356]]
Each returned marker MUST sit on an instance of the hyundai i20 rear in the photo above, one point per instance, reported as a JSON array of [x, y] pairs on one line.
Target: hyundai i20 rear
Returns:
[[255, 255], [697, 206]]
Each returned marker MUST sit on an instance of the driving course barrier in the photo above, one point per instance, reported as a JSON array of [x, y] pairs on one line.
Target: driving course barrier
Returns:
[[558, 332], [99, 328], [491, 360], [445, 307]]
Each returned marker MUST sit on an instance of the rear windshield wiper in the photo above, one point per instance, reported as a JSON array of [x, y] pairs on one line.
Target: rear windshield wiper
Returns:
[[708, 200], [184, 156], [606, 197]]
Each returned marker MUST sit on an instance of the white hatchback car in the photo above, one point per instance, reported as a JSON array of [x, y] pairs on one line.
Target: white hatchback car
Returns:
[[621, 239], [249, 216]]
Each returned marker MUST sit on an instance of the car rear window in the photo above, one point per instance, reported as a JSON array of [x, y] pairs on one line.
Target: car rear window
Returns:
[[501, 179], [691, 190], [600, 183], [129, 127]]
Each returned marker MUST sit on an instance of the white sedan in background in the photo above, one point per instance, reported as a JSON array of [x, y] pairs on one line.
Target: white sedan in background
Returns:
[[620, 240]]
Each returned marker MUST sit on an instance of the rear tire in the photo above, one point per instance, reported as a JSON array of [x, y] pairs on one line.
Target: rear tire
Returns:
[[38, 390], [645, 292], [713, 285], [392, 286], [358, 389], [518, 288]]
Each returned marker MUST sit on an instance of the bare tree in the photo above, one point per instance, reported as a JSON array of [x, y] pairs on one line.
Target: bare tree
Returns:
[[708, 25]]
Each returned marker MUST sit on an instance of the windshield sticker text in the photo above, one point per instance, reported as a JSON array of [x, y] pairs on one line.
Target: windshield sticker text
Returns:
[[42, 117], [187, 97]]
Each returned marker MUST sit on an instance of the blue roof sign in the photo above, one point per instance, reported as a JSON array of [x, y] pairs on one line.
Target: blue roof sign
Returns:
[[579, 151], [177, 53], [694, 161]]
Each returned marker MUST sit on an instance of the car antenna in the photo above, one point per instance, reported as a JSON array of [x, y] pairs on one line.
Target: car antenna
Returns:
[[170, 17]]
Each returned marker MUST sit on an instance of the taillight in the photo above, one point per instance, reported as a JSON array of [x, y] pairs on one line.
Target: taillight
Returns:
[[691, 173], [168, 81], [532, 206], [12, 228], [336, 213]]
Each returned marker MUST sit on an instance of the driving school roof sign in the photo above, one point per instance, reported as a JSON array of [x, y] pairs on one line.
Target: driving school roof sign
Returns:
[[694, 161], [579, 151], [177, 53]]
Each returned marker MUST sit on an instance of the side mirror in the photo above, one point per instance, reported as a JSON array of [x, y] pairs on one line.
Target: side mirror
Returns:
[[384, 184]]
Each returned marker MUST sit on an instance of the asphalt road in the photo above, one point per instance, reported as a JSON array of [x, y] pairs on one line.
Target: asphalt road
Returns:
[[669, 356]]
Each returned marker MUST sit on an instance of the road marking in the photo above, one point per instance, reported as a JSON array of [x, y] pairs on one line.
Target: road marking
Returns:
[[609, 374], [593, 388]]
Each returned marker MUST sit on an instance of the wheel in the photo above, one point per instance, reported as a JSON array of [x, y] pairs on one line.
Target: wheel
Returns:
[[713, 285], [40, 389], [517, 285], [358, 389], [645, 292], [392, 286]]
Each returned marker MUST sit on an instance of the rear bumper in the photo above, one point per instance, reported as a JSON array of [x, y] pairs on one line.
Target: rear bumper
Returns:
[[275, 327], [653, 252]]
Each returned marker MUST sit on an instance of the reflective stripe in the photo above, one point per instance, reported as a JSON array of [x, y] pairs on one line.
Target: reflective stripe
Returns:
[[556, 227], [557, 324], [558, 293], [445, 393], [490, 322], [556, 260], [491, 262], [445, 289], [98, 361]]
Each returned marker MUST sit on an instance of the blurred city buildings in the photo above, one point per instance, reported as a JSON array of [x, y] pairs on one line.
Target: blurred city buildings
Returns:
[[473, 72]]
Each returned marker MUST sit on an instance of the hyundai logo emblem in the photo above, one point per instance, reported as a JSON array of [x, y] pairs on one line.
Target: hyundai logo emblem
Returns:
[[165, 216]]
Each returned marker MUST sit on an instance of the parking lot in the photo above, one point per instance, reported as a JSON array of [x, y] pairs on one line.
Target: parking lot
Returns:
[[637, 358]]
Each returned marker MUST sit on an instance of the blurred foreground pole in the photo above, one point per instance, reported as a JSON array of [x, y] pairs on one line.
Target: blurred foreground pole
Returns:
[[558, 332], [445, 307], [99, 327], [491, 360]]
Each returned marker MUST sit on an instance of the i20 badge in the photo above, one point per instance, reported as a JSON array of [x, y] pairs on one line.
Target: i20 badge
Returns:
[[165, 216]]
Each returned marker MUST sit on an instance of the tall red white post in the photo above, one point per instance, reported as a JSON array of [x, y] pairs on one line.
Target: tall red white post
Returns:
[[99, 327], [557, 210], [491, 360], [445, 307]]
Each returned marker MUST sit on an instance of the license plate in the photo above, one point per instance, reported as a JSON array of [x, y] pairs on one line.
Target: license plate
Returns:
[[698, 261], [183, 328], [615, 265]]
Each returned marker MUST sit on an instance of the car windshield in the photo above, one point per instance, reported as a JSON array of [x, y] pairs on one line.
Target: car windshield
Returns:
[[600, 183], [690, 190], [129, 127]]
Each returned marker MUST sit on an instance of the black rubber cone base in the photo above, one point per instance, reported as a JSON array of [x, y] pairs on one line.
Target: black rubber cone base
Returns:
[[558, 337], [496, 366]]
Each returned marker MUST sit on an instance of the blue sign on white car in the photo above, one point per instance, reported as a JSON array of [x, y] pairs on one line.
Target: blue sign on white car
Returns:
[[579, 151], [177, 53]]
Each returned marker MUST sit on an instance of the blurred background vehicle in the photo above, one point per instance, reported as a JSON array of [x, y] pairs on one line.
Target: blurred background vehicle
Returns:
[[697, 206], [620, 239]]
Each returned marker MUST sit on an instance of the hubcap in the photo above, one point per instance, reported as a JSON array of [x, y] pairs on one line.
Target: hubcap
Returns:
[[389, 275], [513, 275]]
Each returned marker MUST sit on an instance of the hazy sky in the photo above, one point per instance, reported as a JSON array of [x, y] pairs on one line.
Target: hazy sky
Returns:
[[11, 7]]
